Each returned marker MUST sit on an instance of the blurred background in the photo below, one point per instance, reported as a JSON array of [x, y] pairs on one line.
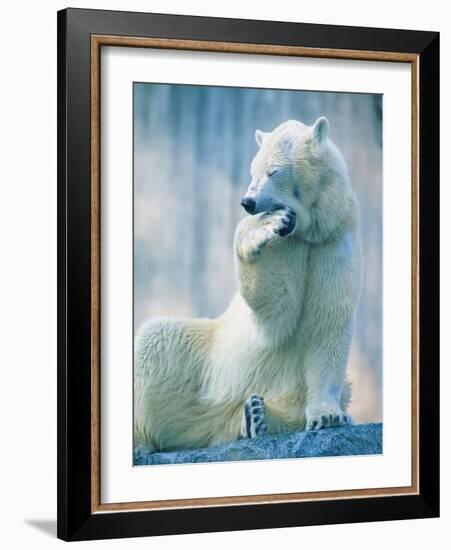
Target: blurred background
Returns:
[[192, 151]]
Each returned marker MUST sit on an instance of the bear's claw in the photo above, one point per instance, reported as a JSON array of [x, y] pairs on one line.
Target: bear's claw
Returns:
[[328, 421], [287, 223], [254, 423]]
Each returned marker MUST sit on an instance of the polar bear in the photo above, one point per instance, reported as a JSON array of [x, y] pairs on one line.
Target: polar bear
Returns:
[[275, 361]]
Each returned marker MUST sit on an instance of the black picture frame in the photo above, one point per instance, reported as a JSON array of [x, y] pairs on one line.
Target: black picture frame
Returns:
[[76, 519]]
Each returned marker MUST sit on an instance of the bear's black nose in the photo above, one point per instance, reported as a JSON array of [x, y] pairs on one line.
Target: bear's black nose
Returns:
[[248, 205]]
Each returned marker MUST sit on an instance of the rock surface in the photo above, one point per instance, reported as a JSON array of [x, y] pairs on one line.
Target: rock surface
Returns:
[[360, 439]]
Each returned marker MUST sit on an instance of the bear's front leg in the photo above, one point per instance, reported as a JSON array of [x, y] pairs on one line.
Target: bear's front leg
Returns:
[[255, 232], [327, 389]]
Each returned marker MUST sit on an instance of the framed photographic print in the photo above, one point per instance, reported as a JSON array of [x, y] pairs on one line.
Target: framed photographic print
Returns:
[[248, 274]]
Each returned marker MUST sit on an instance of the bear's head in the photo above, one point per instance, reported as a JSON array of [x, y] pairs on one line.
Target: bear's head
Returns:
[[298, 167]]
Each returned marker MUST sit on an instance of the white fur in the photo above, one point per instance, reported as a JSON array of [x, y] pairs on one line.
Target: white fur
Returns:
[[287, 332]]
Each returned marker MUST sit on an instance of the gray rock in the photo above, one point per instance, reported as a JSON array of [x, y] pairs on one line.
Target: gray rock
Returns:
[[360, 439]]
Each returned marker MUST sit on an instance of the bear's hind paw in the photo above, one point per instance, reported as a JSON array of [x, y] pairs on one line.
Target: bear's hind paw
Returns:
[[253, 423]]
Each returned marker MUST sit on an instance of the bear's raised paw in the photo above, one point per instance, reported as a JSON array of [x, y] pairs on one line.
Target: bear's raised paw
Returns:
[[284, 222]]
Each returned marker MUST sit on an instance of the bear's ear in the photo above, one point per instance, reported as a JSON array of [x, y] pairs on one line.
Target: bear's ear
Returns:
[[321, 130], [259, 137]]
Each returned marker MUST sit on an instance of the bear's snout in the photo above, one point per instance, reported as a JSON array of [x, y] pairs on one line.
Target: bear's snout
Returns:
[[248, 204]]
